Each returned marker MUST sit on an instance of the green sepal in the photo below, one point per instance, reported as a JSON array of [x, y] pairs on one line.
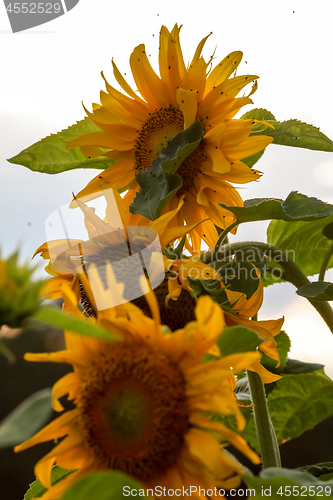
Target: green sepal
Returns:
[[50, 156], [25, 420], [159, 183], [36, 489], [319, 290], [177, 252], [104, 485], [276, 483], [296, 207], [54, 317]]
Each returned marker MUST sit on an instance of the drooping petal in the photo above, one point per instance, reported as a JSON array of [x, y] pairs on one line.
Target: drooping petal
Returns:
[[68, 384], [266, 376]]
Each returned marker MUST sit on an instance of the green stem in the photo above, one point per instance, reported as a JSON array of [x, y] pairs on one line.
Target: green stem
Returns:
[[293, 273], [269, 449], [325, 263]]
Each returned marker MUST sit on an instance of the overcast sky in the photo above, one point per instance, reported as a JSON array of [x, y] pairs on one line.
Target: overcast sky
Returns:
[[48, 70]]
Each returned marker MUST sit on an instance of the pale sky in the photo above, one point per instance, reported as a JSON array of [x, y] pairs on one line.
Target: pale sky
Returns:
[[48, 70]]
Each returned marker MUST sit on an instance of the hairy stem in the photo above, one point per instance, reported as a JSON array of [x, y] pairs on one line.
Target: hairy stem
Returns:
[[269, 449]]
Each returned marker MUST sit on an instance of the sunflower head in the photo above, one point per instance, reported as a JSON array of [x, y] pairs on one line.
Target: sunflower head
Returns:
[[135, 129], [143, 403]]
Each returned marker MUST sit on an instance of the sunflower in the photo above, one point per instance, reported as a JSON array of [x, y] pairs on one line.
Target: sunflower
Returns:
[[238, 309], [135, 128], [128, 241], [142, 403]]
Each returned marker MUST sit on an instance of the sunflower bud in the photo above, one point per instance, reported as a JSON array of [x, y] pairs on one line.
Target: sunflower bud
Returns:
[[19, 296]]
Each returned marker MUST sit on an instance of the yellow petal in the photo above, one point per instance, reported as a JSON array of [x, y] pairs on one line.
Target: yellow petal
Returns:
[[174, 289], [66, 385], [236, 131], [237, 441], [205, 447], [119, 175], [218, 159], [52, 287], [101, 140], [187, 102], [210, 314], [266, 376], [44, 466], [249, 147], [223, 70], [149, 84], [269, 348], [122, 82], [56, 429]]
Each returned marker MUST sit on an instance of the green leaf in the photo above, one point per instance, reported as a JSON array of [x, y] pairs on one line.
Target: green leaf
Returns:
[[283, 347], [259, 114], [303, 241], [49, 155], [26, 419], [319, 290], [237, 339], [36, 489], [159, 183], [295, 367], [328, 231], [299, 402], [319, 470], [105, 485], [54, 317], [301, 135], [277, 483], [289, 133], [296, 207]]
